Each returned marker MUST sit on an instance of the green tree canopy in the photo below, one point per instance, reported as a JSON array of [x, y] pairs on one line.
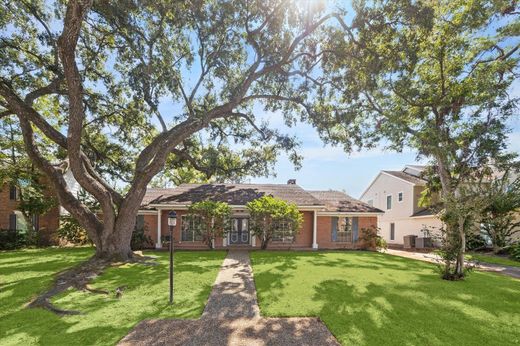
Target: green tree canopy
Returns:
[[118, 87], [433, 76], [270, 215], [214, 219]]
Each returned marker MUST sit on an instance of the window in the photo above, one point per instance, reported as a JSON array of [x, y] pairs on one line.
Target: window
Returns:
[[392, 231], [370, 202], [400, 197], [17, 221], [191, 228], [283, 232], [389, 202], [344, 230], [13, 195]]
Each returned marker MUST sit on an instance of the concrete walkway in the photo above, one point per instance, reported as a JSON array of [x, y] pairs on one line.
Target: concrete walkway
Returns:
[[232, 317], [433, 258]]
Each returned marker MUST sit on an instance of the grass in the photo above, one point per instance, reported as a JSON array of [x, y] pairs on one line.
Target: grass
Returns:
[[373, 299], [105, 319], [493, 259]]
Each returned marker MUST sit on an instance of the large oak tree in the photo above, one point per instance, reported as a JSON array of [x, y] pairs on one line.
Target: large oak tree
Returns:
[[118, 87]]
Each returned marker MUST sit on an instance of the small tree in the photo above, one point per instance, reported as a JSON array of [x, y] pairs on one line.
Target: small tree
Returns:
[[214, 217], [499, 218], [270, 215]]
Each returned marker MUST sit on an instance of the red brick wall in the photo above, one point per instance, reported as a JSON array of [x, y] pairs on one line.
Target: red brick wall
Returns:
[[7, 206], [49, 222], [303, 238], [151, 226], [325, 232]]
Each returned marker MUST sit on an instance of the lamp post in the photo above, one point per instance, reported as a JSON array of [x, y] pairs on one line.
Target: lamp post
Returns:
[[172, 222]]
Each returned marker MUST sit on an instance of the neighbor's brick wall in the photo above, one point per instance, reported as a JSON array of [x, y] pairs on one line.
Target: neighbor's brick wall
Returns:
[[49, 222], [7, 206], [324, 235]]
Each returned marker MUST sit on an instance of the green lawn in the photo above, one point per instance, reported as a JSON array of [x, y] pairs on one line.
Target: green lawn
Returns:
[[374, 299], [105, 319], [489, 258]]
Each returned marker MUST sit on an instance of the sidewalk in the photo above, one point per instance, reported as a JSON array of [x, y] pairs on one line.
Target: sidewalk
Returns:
[[232, 317], [433, 258]]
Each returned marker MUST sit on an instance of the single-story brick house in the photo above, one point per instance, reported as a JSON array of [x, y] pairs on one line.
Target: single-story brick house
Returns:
[[331, 219]]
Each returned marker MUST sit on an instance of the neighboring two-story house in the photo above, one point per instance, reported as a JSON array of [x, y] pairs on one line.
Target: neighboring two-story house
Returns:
[[397, 193]]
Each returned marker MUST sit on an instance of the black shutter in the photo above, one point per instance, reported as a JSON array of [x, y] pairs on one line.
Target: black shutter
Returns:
[[12, 222], [12, 193]]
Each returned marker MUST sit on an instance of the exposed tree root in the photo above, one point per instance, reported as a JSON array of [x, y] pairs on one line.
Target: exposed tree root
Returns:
[[95, 290], [79, 278]]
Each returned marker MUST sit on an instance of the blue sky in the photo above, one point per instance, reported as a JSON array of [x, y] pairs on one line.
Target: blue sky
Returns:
[[326, 167]]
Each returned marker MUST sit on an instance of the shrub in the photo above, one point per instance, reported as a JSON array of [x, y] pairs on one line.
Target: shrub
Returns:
[[371, 240], [72, 232], [140, 240], [12, 239], [514, 251]]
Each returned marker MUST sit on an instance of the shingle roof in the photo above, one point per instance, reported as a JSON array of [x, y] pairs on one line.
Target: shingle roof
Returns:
[[337, 201], [405, 176], [424, 212], [234, 194]]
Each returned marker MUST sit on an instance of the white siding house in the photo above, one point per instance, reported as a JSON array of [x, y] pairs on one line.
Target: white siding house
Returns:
[[397, 193]]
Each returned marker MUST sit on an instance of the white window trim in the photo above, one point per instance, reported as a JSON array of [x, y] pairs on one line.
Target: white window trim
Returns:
[[183, 217], [400, 201], [391, 202]]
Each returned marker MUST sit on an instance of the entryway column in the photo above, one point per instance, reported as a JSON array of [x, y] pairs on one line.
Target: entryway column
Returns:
[[158, 245], [315, 231]]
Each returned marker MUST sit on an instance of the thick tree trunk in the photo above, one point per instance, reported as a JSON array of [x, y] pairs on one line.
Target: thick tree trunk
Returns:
[[113, 243]]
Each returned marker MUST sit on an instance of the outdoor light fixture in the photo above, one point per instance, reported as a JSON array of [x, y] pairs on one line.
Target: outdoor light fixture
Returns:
[[172, 218], [172, 222]]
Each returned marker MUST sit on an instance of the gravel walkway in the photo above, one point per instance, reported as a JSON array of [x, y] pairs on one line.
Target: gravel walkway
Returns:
[[433, 258], [232, 317]]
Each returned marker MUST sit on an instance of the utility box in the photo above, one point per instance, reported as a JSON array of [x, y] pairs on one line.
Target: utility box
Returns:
[[409, 241], [421, 243]]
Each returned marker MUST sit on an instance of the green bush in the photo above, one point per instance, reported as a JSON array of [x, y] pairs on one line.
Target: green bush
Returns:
[[12, 239], [71, 231], [371, 240], [140, 240], [514, 251]]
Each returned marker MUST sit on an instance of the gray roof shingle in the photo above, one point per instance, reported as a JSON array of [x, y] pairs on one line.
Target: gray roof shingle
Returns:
[[405, 176], [337, 201], [234, 194]]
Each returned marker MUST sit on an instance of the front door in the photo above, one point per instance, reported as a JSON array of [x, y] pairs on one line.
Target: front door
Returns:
[[239, 231]]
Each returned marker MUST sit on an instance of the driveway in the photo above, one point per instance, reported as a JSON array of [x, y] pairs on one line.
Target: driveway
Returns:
[[433, 258]]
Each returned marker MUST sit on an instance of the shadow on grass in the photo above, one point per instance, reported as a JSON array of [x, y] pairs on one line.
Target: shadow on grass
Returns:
[[105, 318], [370, 299]]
